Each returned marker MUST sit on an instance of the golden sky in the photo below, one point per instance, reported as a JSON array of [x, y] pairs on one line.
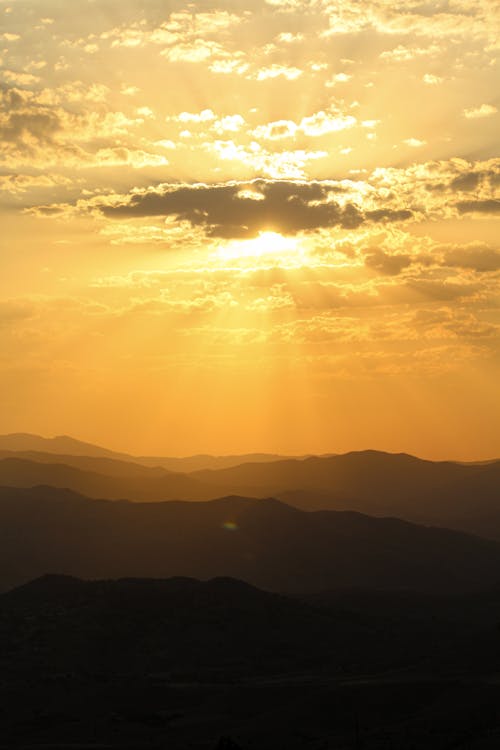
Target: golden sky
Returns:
[[230, 226]]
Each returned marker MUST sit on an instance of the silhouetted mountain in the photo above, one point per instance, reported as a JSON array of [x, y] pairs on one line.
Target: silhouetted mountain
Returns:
[[452, 495], [204, 461], [184, 628], [97, 465], [63, 446], [120, 480], [181, 663], [461, 496], [263, 542], [180, 626]]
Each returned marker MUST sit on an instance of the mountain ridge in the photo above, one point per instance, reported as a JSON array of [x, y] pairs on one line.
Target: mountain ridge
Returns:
[[61, 444], [448, 494], [261, 541]]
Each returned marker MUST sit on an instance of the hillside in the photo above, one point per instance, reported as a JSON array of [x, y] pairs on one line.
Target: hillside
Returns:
[[119, 479], [182, 663], [263, 542], [460, 496]]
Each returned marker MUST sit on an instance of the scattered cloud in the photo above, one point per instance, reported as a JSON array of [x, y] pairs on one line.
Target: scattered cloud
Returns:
[[477, 113]]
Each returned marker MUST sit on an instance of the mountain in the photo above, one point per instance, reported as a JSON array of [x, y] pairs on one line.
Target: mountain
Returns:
[[183, 663], [64, 445], [205, 461], [460, 496], [263, 542], [453, 495], [121, 480], [351, 475], [220, 626], [95, 464]]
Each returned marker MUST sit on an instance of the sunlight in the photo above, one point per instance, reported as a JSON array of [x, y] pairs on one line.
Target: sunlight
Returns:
[[267, 243]]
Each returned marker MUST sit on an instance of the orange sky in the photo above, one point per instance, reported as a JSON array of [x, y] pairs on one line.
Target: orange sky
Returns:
[[227, 229]]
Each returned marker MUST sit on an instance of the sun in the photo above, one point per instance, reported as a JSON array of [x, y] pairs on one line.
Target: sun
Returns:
[[265, 244]]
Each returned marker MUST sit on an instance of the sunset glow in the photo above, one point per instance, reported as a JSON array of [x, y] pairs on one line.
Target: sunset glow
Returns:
[[231, 227], [266, 244]]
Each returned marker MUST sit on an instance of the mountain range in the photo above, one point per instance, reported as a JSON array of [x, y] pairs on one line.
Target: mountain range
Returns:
[[261, 541], [450, 494], [66, 445], [230, 603]]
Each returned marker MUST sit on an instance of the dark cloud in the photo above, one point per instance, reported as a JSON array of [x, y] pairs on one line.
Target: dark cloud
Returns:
[[442, 290], [25, 124], [390, 265], [473, 180], [489, 206], [467, 181], [41, 126], [389, 215], [243, 210], [476, 257]]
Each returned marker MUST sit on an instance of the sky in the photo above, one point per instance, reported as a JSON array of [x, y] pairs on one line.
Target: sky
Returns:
[[273, 226]]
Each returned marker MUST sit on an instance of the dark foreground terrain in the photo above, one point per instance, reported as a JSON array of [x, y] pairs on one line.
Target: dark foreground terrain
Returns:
[[386, 634], [183, 664]]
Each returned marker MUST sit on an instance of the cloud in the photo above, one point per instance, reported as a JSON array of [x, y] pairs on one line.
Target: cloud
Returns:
[[443, 290], [231, 210], [467, 181], [182, 30], [432, 80], [21, 183], [467, 18], [313, 126], [476, 113], [403, 53], [288, 72], [13, 310], [414, 142], [427, 190], [428, 185], [36, 130], [164, 303], [477, 257], [489, 206], [392, 265]]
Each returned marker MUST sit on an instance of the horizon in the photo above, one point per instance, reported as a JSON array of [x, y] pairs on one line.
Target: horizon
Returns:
[[298, 455]]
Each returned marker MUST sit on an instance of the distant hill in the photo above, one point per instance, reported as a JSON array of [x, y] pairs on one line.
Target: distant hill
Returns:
[[205, 461], [263, 542], [96, 464], [461, 496], [63, 445], [118, 480], [453, 495]]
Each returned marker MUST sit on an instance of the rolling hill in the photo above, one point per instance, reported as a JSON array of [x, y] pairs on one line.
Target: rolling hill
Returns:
[[460, 496], [118, 480], [455, 495], [263, 542], [63, 445]]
